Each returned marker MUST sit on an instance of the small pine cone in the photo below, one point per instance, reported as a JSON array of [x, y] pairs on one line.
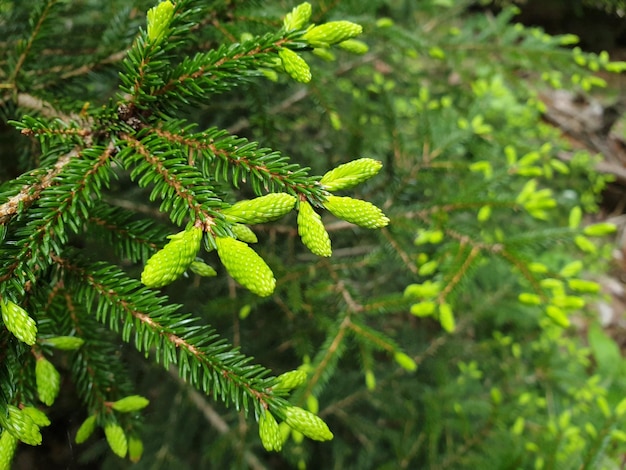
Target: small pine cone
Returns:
[[261, 209], [356, 211], [202, 269], [244, 233], [116, 439], [48, 381], [331, 33], [298, 17], [295, 66], [18, 322], [312, 231], [290, 380], [245, 266], [269, 432], [8, 444], [307, 423], [86, 429], [22, 426], [166, 265], [350, 174]]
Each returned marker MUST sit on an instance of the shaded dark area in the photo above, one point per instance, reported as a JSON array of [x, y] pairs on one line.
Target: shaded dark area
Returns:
[[597, 28]]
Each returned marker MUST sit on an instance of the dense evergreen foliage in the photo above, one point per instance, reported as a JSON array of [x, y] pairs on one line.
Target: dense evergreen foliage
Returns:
[[347, 221]]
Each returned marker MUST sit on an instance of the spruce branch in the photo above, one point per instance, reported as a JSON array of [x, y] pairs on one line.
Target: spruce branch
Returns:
[[205, 360], [39, 16]]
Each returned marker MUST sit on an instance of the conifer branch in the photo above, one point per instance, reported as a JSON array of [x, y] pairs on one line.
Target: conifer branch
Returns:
[[204, 361], [43, 15]]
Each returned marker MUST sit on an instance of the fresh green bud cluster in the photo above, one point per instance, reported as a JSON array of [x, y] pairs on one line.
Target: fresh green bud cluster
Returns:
[[38, 416], [130, 403], [350, 174], [158, 20], [298, 17], [261, 209], [166, 265], [245, 266], [290, 380], [333, 32], [582, 285], [424, 309], [295, 66], [269, 432], [244, 233], [135, 449], [446, 318], [600, 229], [116, 438], [18, 322], [425, 290], [48, 381], [65, 343], [307, 423], [405, 361], [356, 211], [202, 269], [354, 46], [22, 426], [86, 429], [8, 444], [312, 231]]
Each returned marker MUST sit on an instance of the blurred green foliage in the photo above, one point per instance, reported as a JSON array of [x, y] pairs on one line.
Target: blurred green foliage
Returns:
[[464, 335]]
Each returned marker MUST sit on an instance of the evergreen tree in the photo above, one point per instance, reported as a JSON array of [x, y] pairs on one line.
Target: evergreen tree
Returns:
[[408, 207]]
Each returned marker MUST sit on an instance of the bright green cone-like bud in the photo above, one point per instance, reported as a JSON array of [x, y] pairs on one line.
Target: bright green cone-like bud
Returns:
[[582, 285], [65, 343], [202, 269], [166, 265], [116, 438], [244, 233], [312, 231], [350, 174], [307, 423], [48, 381], [135, 449], [298, 17], [324, 53], [159, 18], [130, 403], [599, 230], [290, 380], [356, 211], [8, 444], [261, 209], [405, 361], [85, 430], [18, 322], [331, 33], [245, 266], [446, 318], [295, 66], [269, 432], [22, 426], [38, 416], [354, 46]]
